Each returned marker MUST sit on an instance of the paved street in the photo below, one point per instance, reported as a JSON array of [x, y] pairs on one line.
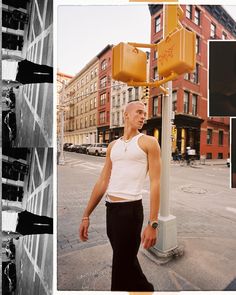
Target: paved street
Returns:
[[34, 252], [201, 200], [34, 103]]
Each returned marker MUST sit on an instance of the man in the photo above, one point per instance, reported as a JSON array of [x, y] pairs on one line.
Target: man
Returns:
[[128, 160], [17, 222], [17, 71]]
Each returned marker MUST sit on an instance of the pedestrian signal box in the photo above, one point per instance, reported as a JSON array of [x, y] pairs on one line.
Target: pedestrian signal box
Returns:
[[128, 63], [176, 53]]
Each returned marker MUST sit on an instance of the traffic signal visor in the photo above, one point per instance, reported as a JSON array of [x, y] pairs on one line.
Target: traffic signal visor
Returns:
[[128, 63], [176, 53]]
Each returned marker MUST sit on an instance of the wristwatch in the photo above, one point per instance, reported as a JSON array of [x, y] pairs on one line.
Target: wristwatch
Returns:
[[154, 224]]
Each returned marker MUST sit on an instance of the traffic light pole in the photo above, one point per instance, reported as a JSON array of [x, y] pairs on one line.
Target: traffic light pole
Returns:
[[166, 245]]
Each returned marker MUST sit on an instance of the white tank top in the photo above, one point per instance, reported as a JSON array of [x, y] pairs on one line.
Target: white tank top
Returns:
[[129, 169]]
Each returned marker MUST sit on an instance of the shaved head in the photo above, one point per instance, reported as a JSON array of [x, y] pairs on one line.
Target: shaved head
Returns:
[[129, 107]]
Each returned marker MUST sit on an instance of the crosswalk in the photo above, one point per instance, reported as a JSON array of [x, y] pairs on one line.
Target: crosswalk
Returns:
[[83, 164]]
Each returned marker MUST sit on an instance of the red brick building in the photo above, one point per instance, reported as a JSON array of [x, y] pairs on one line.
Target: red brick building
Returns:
[[191, 127], [104, 93]]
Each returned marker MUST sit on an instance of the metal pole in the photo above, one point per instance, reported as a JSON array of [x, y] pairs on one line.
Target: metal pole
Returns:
[[167, 235], [62, 157]]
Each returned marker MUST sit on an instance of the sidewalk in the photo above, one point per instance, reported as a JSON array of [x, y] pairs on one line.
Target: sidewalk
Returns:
[[204, 266]]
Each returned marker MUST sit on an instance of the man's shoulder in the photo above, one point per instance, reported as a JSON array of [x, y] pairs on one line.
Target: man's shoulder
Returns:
[[149, 139]]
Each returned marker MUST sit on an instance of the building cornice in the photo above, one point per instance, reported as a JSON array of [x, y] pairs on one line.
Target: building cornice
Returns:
[[222, 16]]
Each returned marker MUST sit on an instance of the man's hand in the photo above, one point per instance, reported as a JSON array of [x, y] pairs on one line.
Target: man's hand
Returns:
[[83, 230], [149, 237]]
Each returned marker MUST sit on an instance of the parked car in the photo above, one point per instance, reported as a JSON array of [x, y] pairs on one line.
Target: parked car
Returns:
[[70, 148], [74, 148], [97, 149], [228, 162], [83, 148], [66, 145]]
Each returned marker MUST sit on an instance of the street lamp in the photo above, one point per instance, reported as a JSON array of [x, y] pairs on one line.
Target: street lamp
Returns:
[[62, 108]]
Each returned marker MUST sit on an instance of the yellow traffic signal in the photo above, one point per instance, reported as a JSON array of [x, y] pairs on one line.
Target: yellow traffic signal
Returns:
[[128, 63], [176, 53], [146, 92]]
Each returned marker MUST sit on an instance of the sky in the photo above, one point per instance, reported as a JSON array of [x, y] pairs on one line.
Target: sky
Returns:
[[83, 31]]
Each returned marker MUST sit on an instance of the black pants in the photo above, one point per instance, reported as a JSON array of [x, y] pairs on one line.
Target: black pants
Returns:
[[32, 224], [124, 225], [29, 73]]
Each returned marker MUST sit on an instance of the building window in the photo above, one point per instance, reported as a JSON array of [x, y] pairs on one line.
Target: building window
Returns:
[[113, 101], [102, 99], [91, 104], [118, 100], [130, 94], [155, 74], [87, 78], [117, 118], [91, 88], [81, 123], [213, 30], [82, 82], [195, 77], [113, 119], [209, 156], [103, 82], [174, 101], [197, 17], [189, 11], [86, 107], [187, 76], [209, 136], [86, 122], [124, 97], [95, 102], [90, 120], [194, 104], [96, 72], [157, 24], [92, 74], [136, 93], [221, 137], [220, 155], [224, 36], [95, 86], [197, 44], [94, 119], [81, 109], [102, 117], [104, 64], [186, 102], [155, 106]]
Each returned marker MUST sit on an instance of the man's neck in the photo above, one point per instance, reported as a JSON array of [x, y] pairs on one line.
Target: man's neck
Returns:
[[129, 133]]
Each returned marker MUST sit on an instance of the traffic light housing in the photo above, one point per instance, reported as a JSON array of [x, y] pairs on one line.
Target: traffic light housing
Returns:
[[128, 63], [176, 53]]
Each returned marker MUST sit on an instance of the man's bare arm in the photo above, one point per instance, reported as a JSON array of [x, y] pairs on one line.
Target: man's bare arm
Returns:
[[96, 195], [154, 164]]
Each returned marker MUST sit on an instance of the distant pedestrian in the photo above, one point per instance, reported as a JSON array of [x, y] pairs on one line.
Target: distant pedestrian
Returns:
[[16, 222], [129, 159], [17, 71]]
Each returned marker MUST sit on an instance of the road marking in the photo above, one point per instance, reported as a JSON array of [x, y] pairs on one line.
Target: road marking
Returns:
[[231, 209]]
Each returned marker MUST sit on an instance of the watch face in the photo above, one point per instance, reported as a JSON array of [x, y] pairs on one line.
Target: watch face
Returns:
[[155, 225]]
